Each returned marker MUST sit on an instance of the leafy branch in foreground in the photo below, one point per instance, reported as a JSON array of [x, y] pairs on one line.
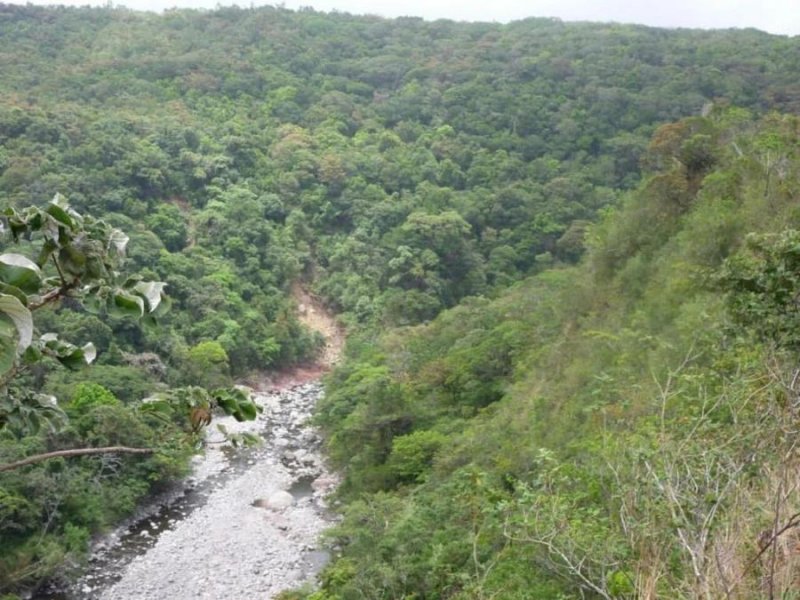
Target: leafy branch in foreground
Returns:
[[200, 404], [77, 258]]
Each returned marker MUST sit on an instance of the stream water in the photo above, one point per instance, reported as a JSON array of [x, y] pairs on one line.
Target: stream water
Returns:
[[246, 524]]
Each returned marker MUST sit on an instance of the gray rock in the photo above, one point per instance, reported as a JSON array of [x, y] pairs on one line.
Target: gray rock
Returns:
[[323, 484], [280, 500]]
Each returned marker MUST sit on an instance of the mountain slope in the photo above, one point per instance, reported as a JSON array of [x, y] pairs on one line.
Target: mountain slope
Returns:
[[617, 429]]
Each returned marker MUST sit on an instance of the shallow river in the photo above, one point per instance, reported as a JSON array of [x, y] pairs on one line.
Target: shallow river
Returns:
[[245, 525]]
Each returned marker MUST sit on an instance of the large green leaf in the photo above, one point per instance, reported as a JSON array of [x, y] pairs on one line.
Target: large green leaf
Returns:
[[123, 304], [72, 260], [59, 210], [150, 291], [95, 298], [26, 413], [248, 411], [14, 291], [78, 358], [48, 247], [20, 272], [8, 344], [22, 319], [16, 331], [236, 403], [67, 354], [228, 405], [157, 403]]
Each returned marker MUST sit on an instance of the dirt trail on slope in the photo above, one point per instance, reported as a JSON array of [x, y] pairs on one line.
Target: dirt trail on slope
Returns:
[[312, 313]]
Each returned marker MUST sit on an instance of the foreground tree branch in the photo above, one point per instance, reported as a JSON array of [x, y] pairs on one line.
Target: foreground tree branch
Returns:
[[73, 452]]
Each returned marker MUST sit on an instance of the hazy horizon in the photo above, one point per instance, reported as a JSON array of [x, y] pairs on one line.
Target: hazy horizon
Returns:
[[773, 16]]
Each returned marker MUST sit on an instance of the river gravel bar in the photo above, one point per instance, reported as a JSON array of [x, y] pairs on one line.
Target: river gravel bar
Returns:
[[244, 543]]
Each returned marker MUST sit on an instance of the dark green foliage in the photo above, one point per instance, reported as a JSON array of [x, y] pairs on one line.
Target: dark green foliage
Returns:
[[48, 511], [294, 144], [207, 365]]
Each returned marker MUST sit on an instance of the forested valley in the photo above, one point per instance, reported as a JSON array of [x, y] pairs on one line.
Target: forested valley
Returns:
[[567, 256]]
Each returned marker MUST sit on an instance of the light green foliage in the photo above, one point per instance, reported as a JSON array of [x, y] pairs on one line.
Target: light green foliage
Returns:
[[412, 455], [631, 424], [90, 395], [207, 365]]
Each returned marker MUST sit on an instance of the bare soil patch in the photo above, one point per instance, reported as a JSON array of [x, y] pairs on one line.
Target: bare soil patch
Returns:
[[311, 312]]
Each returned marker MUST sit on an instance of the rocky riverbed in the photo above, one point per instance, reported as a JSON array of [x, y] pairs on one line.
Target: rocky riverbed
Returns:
[[245, 525]]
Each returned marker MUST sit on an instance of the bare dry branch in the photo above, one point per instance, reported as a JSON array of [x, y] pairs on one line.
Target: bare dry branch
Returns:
[[73, 452]]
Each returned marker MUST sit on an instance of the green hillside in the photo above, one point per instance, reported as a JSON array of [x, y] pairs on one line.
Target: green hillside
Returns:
[[565, 255], [618, 429]]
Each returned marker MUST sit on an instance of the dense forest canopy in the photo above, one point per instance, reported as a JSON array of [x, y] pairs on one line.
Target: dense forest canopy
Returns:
[[344, 141], [536, 218]]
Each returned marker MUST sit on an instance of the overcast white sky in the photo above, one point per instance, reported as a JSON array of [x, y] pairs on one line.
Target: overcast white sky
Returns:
[[775, 16]]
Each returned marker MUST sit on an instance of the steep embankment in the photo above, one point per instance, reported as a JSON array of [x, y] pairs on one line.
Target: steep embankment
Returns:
[[314, 314], [621, 429]]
